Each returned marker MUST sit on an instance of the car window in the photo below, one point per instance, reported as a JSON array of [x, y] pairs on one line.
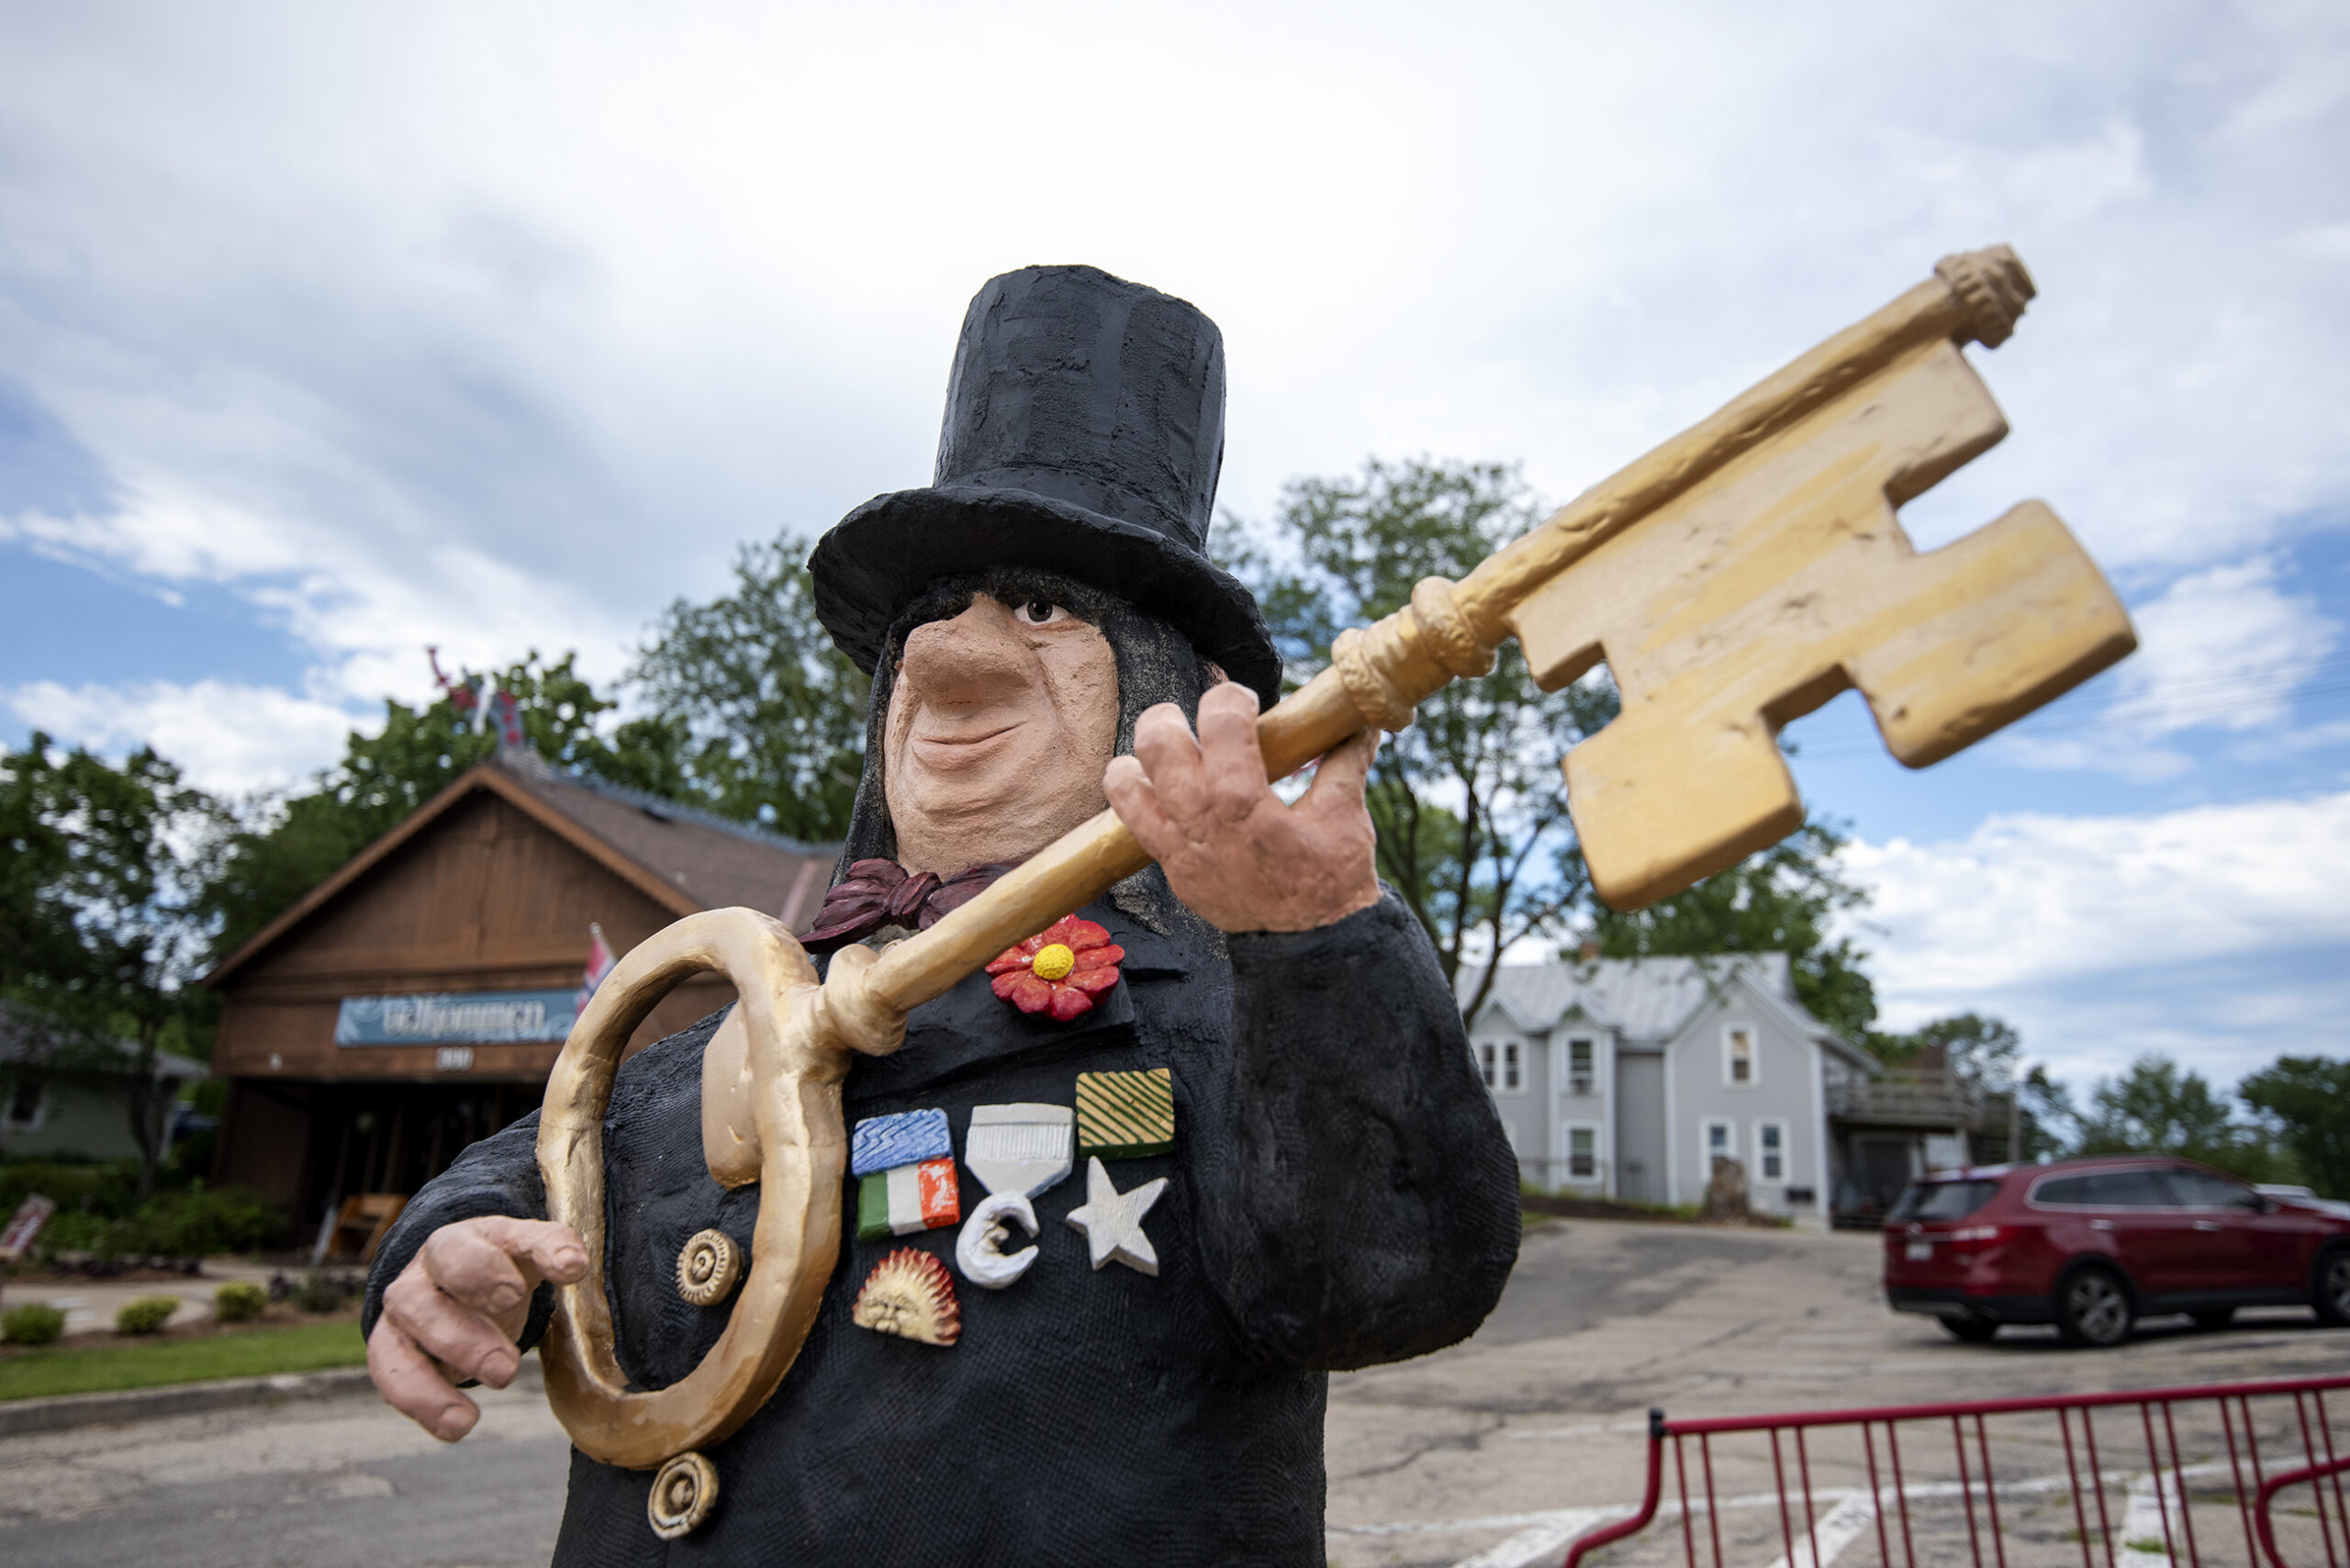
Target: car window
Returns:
[[1941, 1200], [2201, 1190], [2105, 1190], [2130, 1189], [2063, 1190]]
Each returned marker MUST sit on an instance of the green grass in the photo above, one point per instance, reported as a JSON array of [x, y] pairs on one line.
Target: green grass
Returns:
[[305, 1347]]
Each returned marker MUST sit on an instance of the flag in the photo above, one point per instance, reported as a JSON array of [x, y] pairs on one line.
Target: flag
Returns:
[[908, 1198], [600, 964], [509, 717]]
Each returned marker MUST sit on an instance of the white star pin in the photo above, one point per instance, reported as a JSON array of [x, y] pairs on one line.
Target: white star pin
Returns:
[[1112, 1220]]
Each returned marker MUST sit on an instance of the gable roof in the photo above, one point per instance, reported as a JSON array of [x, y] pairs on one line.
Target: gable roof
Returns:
[[32, 1037], [684, 859], [1646, 1001]]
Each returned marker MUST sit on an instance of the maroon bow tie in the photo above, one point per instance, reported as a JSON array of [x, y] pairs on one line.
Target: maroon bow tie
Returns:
[[879, 893]]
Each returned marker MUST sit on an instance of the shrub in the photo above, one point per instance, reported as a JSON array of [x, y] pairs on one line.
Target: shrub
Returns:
[[146, 1315], [108, 1192], [34, 1323], [169, 1225], [189, 1225], [68, 1231], [323, 1292], [237, 1301], [191, 1157]]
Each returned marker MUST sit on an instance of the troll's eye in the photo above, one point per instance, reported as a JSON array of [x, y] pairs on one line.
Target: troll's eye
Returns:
[[1041, 611]]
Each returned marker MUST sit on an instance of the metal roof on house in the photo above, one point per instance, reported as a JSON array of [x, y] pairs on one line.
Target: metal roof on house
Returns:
[[29, 1036], [717, 861], [1645, 1001]]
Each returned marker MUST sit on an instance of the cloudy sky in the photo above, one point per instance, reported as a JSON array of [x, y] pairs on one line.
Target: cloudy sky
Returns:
[[327, 333]]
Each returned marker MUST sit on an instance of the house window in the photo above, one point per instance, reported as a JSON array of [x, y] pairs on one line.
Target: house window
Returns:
[[1720, 1141], [1582, 1151], [1500, 1064], [1579, 1068], [21, 1110], [1737, 1053], [1771, 1151]]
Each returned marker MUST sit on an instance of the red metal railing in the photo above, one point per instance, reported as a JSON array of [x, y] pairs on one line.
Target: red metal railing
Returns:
[[2173, 1476]]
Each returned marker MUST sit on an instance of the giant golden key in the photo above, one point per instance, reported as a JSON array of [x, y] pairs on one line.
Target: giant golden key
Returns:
[[1782, 579], [1737, 576]]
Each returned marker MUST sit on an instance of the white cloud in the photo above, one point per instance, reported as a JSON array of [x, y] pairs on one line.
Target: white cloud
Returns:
[[363, 601], [227, 739], [598, 295], [2026, 898], [2080, 923], [2224, 647], [499, 328], [2229, 649]]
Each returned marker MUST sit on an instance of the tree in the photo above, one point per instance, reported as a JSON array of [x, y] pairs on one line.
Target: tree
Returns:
[[285, 846], [1468, 801], [105, 924], [2157, 1108], [1783, 899], [1986, 1054], [2308, 1099], [771, 715], [2048, 1122], [1983, 1052]]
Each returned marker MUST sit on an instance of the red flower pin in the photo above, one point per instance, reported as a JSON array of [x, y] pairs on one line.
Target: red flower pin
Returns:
[[1060, 969]]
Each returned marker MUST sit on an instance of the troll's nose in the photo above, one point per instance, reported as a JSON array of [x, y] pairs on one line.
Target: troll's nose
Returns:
[[971, 660]]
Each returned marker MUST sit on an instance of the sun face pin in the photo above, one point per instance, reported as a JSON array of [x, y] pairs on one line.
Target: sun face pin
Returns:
[[911, 1296]]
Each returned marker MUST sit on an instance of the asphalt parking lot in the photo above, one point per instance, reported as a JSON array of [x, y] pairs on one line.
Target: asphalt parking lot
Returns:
[[1457, 1457], [1492, 1452]]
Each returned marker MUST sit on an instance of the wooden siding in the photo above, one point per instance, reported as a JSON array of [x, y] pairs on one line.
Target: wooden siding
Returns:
[[483, 898]]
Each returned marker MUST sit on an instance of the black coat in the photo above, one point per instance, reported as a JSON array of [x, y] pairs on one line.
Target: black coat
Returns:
[[1341, 1194]]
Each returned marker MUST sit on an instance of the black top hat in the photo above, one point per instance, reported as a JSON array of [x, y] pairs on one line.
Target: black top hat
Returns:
[[1084, 432]]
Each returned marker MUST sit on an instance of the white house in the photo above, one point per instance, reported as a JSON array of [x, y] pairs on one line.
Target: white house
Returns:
[[1624, 1078], [61, 1102]]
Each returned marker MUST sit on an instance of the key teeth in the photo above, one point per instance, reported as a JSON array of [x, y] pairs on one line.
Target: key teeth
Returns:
[[1992, 286]]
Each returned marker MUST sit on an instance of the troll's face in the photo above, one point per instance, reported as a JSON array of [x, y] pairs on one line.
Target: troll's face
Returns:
[[1001, 719]]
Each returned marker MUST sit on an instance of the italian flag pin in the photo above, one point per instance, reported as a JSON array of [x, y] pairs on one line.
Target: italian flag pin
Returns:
[[908, 1198]]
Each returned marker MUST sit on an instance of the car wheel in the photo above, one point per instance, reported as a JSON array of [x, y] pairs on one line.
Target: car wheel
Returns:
[[2329, 1292], [1970, 1330], [2093, 1308], [2210, 1322]]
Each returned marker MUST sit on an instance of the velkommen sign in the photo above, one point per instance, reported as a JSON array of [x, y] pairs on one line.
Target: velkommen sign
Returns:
[[478, 1018]]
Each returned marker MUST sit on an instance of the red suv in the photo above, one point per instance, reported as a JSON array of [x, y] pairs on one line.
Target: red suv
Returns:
[[2090, 1245]]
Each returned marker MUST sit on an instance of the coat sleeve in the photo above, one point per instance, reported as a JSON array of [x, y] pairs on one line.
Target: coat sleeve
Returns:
[[499, 1175], [1371, 1210]]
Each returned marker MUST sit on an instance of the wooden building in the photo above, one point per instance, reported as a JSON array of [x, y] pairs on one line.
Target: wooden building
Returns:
[[414, 1001]]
